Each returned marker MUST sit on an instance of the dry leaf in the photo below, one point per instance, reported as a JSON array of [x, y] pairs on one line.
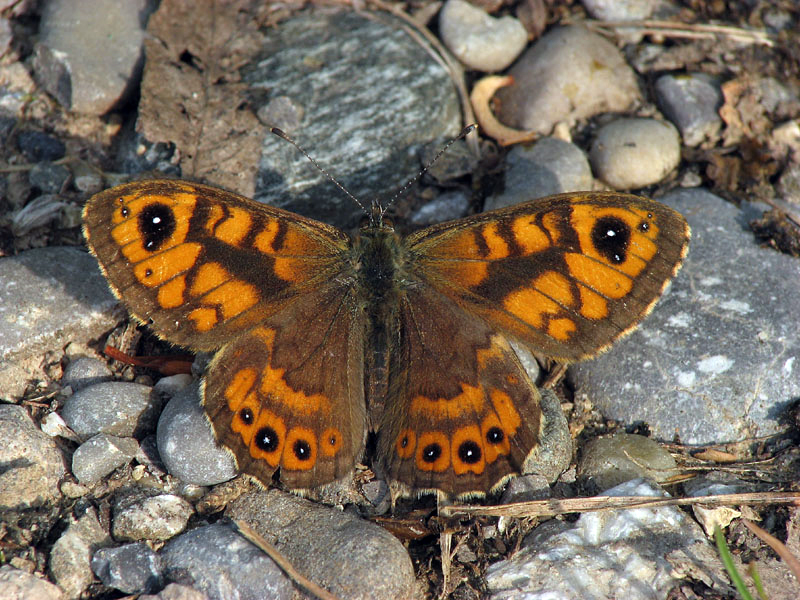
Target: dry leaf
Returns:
[[481, 97], [192, 94]]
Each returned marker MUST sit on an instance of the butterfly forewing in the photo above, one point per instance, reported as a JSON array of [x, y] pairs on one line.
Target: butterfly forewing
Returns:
[[566, 275], [201, 265]]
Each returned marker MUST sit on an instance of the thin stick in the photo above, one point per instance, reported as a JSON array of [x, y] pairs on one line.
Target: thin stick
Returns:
[[549, 508], [287, 567]]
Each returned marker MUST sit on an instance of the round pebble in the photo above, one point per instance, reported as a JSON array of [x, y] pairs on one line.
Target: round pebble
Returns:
[[480, 41], [349, 556], [131, 569], [611, 460], [222, 564], [38, 146], [186, 443], [634, 153], [691, 102], [569, 74], [84, 371], [116, 407], [150, 518], [32, 463], [450, 205], [550, 166], [100, 455], [48, 177], [620, 10]]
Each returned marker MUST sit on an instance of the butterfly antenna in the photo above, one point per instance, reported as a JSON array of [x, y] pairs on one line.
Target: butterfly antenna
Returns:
[[283, 135], [464, 133]]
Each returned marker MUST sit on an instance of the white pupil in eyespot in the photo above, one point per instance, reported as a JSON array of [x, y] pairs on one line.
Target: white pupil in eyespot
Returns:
[[611, 233], [156, 220]]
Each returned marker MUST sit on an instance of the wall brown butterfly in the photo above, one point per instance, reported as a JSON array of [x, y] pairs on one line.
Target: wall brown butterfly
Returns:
[[320, 337]]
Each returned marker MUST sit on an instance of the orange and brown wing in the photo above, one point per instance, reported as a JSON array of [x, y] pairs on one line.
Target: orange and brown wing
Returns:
[[290, 393], [461, 413], [201, 265], [566, 275]]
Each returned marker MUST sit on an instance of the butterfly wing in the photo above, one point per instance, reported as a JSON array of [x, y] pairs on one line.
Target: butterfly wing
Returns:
[[566, 275], [461, 413], [201, 265], [273, 291]]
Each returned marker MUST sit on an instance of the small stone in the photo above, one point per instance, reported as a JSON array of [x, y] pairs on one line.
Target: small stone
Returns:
[[567, 75], [32, 464], [348, 556], [692, 102], [131, 569], [550, 166], [611, 460], [634, 153], [176, 591], [100, 455], [555, 445], [789, 184], [73, 490], [116, 407], [74, 61], [84, 371], [158, 517], [222, 564], [526, 488], [620, 10], [48, 177], [70, 556], [19, 585], [481, 42], [186, 443], [38, 146], [450, 205]]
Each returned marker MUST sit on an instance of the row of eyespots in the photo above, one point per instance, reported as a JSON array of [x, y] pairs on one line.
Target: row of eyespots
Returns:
[[294, 449], [468, 449]]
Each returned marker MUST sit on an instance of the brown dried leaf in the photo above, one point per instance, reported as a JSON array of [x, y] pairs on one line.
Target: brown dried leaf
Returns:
[[192, 94], [743, 112]]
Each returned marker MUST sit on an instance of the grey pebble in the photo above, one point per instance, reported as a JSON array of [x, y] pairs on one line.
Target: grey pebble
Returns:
[[526, 488], [116, 407], [550, 166], [84, 371], [450, 205], [70, 557], [48, 177], [16, 584], [352, 108], [220, 563], [477, 39], [634, 153], [620, 10], [567, 75], [131, 569], [158, 517], [350, 557], [38, 146], [691, 101], [186, 442], [32, 463], [719, 357], [48, 296], [611, 460], [100, 455], [74, 61], [175, 591]]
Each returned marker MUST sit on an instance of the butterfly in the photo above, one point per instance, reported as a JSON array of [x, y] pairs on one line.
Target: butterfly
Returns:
[[320, 337]]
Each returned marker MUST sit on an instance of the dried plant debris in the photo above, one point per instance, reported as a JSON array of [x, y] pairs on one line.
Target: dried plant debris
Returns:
[[192, 94]]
